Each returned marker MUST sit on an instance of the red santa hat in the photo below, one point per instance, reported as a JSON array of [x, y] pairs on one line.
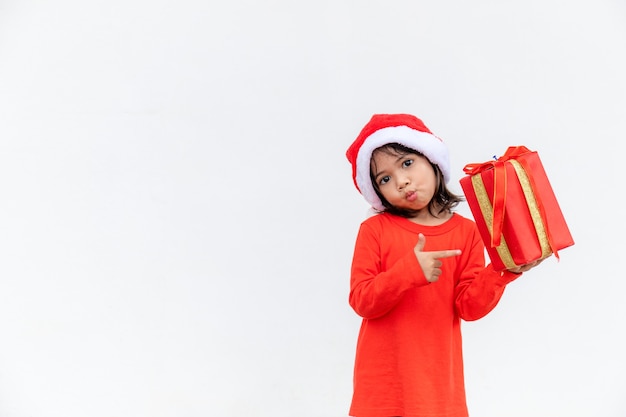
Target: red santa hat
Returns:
[[382, 129]]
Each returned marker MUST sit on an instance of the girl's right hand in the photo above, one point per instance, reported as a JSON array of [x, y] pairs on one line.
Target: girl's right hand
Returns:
[[430, 261]]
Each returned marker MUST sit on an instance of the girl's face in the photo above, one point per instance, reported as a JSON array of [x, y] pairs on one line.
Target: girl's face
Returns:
[[406, 181]]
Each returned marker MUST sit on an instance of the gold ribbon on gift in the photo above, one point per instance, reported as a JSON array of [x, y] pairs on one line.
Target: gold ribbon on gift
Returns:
[[487, 211], [494, 214]]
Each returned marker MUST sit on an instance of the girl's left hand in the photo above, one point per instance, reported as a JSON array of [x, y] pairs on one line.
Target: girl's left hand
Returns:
[[524, 268]]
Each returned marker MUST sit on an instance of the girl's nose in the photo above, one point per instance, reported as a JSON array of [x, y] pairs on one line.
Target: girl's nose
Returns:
[[403, 182]]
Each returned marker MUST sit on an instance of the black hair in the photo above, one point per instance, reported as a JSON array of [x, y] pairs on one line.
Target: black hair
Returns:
[[444, 199]]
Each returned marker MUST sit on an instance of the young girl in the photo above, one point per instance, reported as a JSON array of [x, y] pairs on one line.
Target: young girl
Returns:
[[418, 269]]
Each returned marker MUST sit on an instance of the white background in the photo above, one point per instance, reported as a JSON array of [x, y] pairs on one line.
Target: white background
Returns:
[[177, 215]]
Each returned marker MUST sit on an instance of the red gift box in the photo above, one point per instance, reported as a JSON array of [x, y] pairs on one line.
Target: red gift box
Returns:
[[515, 209]]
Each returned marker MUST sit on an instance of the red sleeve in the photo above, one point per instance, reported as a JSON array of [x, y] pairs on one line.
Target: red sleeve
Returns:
[[373, 293], [479, 288]]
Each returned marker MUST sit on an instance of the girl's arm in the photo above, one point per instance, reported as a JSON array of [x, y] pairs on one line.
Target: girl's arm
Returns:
[[479, 288], [373, 292]]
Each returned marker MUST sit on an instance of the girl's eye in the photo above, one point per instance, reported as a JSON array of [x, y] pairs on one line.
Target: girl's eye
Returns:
[[384, 180], [407, 163]]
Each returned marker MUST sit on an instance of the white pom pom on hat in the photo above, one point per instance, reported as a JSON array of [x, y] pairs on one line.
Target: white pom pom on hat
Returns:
[[382, 129]]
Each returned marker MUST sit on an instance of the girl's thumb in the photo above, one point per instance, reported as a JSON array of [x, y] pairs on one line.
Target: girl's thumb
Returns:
[[421, 241]]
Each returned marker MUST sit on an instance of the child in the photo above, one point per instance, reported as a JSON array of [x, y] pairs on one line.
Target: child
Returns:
[[418, 269]]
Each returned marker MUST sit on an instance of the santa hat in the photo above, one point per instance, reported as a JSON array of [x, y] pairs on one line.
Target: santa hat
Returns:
[[382, 129]]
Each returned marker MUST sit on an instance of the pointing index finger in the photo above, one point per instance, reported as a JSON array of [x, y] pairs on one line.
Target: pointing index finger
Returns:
[[446, 253]]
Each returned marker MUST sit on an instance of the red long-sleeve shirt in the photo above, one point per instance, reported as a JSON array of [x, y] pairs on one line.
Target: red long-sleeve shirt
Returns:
[[409, 358]]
